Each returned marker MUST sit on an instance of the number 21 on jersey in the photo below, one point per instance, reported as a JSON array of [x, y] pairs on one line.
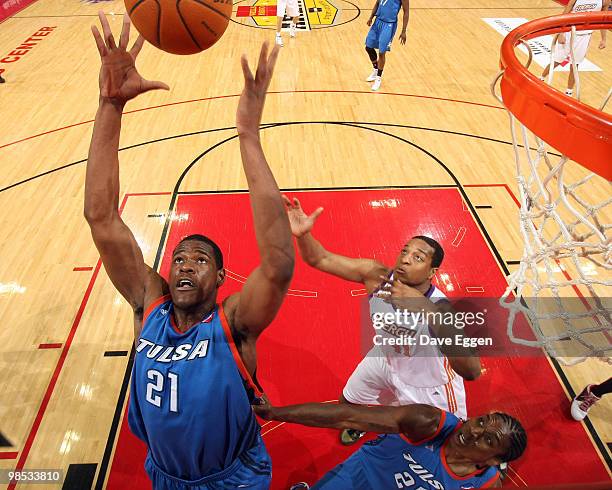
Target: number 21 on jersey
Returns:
[[155, 387]]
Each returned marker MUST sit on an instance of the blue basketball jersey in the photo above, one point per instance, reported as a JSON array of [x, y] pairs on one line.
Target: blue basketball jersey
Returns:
[[388, 9], [190, 394], [393, 461]]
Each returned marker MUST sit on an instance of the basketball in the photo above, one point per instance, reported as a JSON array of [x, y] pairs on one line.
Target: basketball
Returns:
[[180, 26]]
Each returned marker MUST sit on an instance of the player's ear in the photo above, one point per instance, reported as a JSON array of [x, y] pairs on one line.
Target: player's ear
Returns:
[[493, 461], [432, 272], [220, 277]]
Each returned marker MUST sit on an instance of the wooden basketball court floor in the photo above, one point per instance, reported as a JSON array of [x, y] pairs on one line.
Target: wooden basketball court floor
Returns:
[[67, 334]]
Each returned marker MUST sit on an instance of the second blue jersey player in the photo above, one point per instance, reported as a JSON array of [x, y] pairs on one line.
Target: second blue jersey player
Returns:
[[194, 368], [381, 34], [421, 446]]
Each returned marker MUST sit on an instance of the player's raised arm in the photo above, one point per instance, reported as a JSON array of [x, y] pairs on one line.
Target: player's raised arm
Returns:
[[119, 82], [416, 421], [317, 256], [262, 295], [465, 361]]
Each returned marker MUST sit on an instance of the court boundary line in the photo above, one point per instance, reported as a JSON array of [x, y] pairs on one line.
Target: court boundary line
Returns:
[[275, 92], [29, 441], [264, 126]]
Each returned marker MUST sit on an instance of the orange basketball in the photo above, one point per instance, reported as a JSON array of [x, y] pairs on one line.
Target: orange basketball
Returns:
[[180, 26]]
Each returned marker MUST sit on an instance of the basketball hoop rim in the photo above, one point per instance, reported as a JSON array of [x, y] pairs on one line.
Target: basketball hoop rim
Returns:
[[577, 130]]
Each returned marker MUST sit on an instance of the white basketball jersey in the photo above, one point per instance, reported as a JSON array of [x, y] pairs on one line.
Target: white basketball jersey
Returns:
[[582, 6], [587, 6], [421, 364]]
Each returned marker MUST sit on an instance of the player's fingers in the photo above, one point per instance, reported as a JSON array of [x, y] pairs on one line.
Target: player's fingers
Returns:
[[384, 282], [99, 41], [248, 75], [316, 214], [261, 64], [272, 61], [125, 32], [384, 295], [138, 44], [383, 278], [154, 85], [108, 34], [397, 284], [296, 203], [286, 201]]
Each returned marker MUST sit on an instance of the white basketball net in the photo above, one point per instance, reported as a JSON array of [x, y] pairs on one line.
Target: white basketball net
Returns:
[[562, 286]]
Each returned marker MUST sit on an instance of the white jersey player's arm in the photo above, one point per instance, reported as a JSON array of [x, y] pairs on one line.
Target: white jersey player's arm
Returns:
[[317, 256], [464, 360], [349, 268]]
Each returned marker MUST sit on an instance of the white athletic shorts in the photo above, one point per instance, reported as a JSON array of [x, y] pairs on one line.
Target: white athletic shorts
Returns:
[[562, 53], [288, 6], [374, 383]]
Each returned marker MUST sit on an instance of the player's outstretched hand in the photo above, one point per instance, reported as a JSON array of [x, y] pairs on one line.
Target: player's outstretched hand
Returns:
[[253, 97], [300, 222], [263, 408], [602, 44], [402, 38], [119, 79]]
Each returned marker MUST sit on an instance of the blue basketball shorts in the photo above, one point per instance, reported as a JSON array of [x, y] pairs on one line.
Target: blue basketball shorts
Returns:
[[346, 476], [380, 35], [251, 471]]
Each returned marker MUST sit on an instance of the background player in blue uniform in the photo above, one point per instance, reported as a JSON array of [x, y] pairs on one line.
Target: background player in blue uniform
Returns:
[[381, 34], [421, 446], [188, 399]]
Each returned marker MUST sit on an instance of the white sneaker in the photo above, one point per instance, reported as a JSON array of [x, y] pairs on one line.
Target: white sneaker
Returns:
[[583, 403], [376, 84], [372, 76], [279, 40], [292, 27]]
